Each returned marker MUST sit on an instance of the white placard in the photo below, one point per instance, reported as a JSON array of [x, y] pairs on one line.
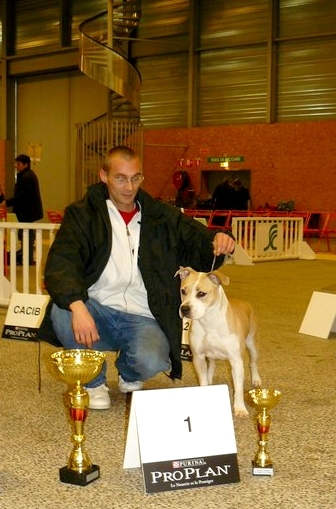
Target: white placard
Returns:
[[186, 354], [182, 438], [320, 316], [24, 316]]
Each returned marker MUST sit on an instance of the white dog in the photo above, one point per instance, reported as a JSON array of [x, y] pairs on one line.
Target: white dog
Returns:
[[220, 329]]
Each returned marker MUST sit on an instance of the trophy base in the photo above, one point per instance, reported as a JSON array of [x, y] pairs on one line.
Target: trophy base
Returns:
[[258, 470], [80, 478]]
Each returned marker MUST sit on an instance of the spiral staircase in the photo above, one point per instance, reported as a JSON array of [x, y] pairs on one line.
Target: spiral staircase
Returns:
[[104, 49]]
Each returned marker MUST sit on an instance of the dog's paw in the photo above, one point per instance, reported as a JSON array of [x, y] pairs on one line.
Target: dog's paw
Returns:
[[241, 412], [256, 383]]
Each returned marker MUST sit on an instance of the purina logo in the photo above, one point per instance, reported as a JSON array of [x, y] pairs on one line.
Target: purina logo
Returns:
[[189, 463], [272, 235]]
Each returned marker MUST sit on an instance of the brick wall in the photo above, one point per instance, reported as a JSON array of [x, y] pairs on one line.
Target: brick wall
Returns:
[[288, 161]]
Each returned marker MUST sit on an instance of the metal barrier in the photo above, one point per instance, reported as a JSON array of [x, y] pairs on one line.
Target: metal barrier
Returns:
[[23, 278], [269, 238]]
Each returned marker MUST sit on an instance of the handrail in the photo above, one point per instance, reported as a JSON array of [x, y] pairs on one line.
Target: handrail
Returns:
[[104, 64]]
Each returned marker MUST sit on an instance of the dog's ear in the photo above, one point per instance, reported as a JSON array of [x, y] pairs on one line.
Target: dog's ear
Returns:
[[183, 272], [218, 278]]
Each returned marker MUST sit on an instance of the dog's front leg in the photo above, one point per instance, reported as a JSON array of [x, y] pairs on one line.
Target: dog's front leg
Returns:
[[237, 366], [211, 369], [201, 368]]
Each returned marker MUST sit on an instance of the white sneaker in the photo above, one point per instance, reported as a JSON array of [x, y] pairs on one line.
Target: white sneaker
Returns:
[[129, 386], [99, 398]]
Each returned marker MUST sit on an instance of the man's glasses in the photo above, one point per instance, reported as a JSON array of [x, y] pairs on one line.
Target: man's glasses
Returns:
[[121, 180]]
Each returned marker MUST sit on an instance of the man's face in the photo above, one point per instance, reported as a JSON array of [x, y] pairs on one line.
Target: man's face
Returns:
[[20, 166], [122, 178]]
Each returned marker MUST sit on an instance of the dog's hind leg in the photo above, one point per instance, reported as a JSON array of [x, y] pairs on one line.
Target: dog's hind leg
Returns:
[[251, 346]]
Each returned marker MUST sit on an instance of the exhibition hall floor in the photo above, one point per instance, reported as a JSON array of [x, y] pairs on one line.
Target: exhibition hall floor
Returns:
[[35, 433]]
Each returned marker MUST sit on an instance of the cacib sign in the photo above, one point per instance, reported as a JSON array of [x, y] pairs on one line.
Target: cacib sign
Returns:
[[24, 316]]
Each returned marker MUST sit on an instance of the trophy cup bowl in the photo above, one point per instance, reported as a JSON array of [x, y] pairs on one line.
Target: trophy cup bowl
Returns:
[[75, 368], [262, 400]]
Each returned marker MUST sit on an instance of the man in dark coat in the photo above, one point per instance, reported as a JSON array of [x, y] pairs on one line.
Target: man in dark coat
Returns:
[[110, 274], [26, 200]]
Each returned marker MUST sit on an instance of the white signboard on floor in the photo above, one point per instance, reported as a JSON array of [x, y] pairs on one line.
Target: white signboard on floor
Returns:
[[182, 438], [320, 316], [24, 316]]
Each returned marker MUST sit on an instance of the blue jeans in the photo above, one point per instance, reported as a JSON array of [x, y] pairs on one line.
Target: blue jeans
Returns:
[[143, 347]]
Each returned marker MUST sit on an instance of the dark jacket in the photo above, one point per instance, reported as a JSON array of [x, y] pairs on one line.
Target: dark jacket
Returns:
[[168, 239], [26, 201]]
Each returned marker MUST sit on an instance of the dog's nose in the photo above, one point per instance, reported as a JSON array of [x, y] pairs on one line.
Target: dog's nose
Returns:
[[185, 310]]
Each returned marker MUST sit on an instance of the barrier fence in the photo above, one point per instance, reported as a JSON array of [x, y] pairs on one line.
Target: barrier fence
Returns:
[[269, 238], [261, 239], [17, 275]]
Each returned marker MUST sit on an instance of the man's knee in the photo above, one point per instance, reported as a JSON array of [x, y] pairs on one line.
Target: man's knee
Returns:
[[152, 359]]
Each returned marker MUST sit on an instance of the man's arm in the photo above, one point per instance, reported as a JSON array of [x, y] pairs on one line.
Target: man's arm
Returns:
[[84, 327], [64, 273]]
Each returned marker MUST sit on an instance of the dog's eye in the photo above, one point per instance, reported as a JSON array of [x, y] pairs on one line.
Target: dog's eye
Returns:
[[201, 294], [183, 291]]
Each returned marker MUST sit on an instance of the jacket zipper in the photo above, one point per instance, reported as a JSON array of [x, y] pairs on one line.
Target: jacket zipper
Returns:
[[131, 251]]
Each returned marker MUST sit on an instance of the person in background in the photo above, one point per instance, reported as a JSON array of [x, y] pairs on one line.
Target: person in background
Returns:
[[241, 196], [110, 274], [223, 197], [26, 200]]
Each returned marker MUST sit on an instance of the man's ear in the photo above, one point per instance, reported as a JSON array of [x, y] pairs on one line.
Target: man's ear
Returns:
[[103, 175]]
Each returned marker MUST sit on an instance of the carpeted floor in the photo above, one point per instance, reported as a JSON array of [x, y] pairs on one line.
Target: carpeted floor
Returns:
[[35, 433]]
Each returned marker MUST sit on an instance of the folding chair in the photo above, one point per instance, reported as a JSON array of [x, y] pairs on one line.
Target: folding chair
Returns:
[[328, 229], [278, 213], [260, 213], [202, 215], [237, 213], [219, 219], [55, 216], [312, 227]]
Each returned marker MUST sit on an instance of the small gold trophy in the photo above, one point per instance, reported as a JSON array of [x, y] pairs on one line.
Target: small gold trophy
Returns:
[[262, 400], [75, 368]]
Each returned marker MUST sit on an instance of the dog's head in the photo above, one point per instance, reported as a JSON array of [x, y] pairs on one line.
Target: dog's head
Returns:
[[199, 291]]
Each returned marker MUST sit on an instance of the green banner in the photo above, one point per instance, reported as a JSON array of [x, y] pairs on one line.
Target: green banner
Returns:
[[226, 159]]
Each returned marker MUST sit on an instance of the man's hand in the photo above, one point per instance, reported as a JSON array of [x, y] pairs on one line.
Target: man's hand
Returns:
[[83, 324], [223, 244]]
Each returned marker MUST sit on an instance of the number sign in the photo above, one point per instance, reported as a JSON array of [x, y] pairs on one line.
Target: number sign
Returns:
[[182, 438]]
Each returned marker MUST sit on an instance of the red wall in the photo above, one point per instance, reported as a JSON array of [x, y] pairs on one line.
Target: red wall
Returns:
[[288, 161]]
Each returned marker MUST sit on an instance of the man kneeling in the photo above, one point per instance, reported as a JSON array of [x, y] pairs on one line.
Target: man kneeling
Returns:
[[110, 274]]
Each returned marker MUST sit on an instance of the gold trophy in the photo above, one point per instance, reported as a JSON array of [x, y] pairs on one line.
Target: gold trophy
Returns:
[[75, 368], [262, 400]]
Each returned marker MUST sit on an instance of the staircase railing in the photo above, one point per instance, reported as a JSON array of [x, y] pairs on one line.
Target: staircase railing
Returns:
[[103, 57], [106, 65], [94, 139]]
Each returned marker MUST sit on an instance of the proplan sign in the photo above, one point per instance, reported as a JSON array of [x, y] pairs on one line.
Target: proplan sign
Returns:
[[24, 316], [226, 159], [201, 450]]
